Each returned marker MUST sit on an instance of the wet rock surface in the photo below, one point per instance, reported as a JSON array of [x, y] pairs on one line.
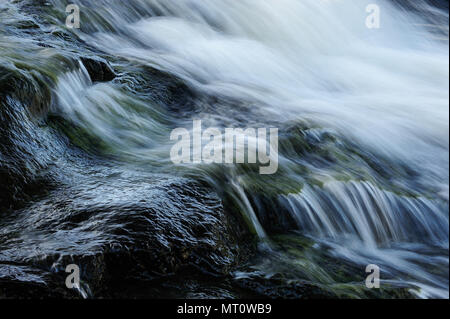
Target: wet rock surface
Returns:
[[24, 151], [99, 70], [24, 282], [138, 231], [140, 228]]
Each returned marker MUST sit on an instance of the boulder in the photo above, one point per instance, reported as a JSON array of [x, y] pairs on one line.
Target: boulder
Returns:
[[99, 70]]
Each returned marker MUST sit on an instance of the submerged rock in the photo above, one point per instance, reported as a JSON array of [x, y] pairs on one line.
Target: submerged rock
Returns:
[[140, 228], [20, 282], [99, 70], [24, 150]]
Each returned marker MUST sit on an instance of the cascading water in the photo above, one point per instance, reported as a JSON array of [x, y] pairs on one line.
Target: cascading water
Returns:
[[362, 113]]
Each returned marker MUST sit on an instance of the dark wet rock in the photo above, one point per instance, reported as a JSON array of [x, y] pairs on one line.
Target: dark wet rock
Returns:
[[265, 206], [22, 282], [99, 70], [441, 4], [302, 269], [141, 228], [24, 148], [276, 289], [161, 88]]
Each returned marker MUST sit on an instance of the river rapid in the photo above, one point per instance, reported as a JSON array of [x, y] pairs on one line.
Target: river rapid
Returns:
[[363, 166]]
